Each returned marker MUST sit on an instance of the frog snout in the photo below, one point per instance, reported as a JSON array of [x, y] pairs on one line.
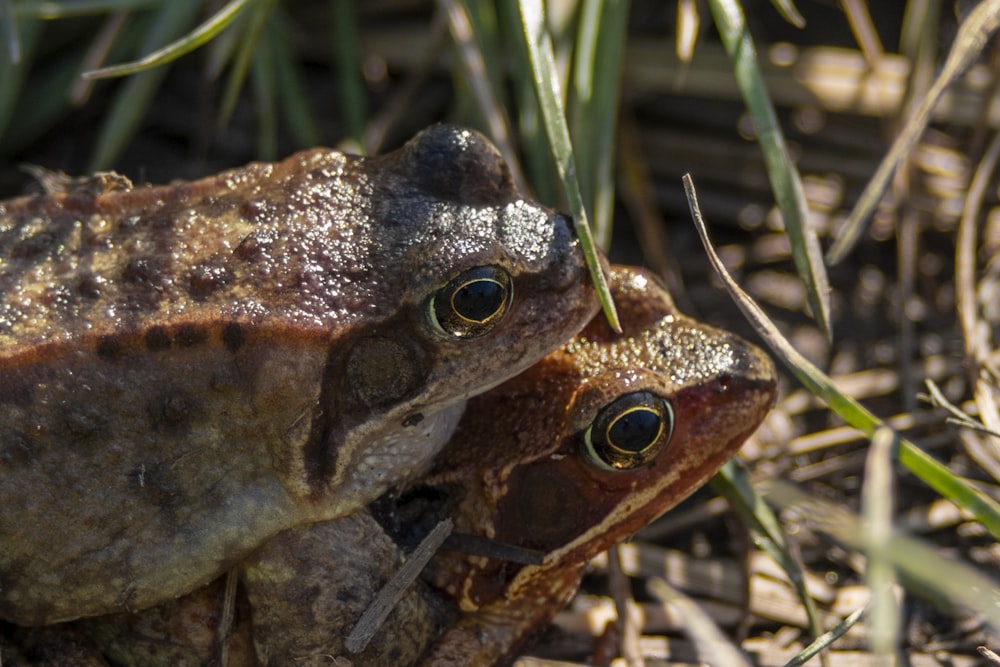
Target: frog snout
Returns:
[[750, 374], [570, 267]]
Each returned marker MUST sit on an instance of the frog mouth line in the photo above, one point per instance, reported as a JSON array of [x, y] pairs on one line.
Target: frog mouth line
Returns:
[[478, 545]]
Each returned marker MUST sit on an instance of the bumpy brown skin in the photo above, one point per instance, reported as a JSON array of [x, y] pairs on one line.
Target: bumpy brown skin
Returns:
[[187, 370], [515, 471], [302, 593], [309, 590], [183, 632]]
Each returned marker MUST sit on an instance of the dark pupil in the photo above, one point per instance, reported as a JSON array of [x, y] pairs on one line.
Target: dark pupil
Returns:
[[478, 300], [635, 430]]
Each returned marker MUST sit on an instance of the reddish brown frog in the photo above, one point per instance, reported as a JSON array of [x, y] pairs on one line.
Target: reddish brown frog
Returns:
[[581, 450], [188, 370]]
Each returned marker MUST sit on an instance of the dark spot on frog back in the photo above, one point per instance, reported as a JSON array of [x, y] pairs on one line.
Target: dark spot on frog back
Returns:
[[233, 336], [144, 280], [209, 277], [110, 347], [145, 272], [88, 287], [157, 339], [257, 211]]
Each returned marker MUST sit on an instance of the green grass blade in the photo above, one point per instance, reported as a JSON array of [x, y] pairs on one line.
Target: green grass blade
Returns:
[[930, 471], [294, 107], [50, 9], [540, 165], [876, 501], [547, 87], [786, 183], [13, 72], [789, 12], [265, 94], [347, 53], [597, 74], [189, 42], [40, 105], [973, 35], [137, 92], [250, 37], [8, 29], [826, 639], [478, 79], [937, 577], [733, 483]]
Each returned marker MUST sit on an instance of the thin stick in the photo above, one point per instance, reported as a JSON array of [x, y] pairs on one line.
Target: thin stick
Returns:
[[393, 591]]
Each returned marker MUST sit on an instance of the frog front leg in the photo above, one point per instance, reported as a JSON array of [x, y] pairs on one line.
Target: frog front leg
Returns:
[[309, 586]]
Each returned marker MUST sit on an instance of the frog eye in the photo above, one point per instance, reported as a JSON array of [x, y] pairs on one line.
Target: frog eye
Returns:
[[629, 432], [473, 303]]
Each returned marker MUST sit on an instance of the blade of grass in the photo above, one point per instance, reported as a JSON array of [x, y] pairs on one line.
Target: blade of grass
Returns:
[[49, 9], [347, 52], [547, 87], [13, 72], [784, 177], [40, 105], [294, 104], [935, 576], [930, 471], [109, 37], [485, 22], [252, 30], [477, 78], [189, 42], [789, 12], [973, 35], [541, 169], [8, 28], [137, 92], [864, 30], [597, 74], [876, 501], [733, 483], [713, 646], [826, 639], [265, 91], [688, 25]]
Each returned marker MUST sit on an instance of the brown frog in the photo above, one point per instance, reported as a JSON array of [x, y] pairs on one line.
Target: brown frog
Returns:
[[188, 370], [578, 452]]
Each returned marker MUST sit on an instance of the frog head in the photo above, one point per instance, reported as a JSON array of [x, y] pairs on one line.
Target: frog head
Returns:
[[483, 284]]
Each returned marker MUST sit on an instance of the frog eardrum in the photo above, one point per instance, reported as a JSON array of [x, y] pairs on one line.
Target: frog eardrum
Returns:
[[630, 431]]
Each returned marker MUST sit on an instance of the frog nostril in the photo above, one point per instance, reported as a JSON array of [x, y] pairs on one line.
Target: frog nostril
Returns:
[[413, 420]]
